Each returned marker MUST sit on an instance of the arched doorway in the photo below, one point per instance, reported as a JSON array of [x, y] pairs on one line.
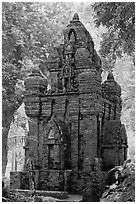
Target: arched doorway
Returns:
[[56, 155]]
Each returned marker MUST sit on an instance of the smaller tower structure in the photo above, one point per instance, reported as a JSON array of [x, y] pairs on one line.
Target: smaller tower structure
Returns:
[[114, 137], [36, 87]]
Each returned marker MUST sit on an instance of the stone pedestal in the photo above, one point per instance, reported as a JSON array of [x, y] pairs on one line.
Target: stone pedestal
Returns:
[[54, 180], [19, 180]]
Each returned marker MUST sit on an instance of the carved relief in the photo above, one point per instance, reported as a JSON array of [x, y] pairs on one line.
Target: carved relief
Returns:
[[51, 133], [56, 144], [52, 130], [72, 36]]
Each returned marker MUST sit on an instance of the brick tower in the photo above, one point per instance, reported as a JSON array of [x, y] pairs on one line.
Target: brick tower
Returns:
[[75, 123]]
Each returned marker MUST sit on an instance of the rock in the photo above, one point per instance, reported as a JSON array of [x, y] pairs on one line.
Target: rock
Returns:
[[113, 186], [45, 199], [124, 191], [105, 194], [91, 194]]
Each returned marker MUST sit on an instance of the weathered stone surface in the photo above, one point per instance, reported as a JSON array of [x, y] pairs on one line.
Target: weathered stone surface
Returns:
[[42, 196], [113, 143], [53, 194], [19, 180], [54, 180], [111, 87], [78, 119], [36, 86], [123, 188]]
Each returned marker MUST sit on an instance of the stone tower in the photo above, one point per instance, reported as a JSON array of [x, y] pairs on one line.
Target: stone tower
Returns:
[[77, 120]]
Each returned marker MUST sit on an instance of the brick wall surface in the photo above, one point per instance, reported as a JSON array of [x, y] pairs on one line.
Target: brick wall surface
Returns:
[[77, 120]]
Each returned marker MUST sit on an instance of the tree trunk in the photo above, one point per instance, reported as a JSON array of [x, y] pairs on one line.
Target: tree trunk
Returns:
[[7, 117], [5, 131]]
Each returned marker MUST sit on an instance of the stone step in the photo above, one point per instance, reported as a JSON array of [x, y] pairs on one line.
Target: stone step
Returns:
[[48, 196], [55, 194], [71, 198]]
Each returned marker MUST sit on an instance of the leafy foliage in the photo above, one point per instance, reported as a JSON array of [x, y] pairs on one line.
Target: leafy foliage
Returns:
[[119, 19], [124, 72]]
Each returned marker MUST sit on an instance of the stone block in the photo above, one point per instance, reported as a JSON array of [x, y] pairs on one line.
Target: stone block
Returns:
[[111, 132], [54, 180], [19, 180]]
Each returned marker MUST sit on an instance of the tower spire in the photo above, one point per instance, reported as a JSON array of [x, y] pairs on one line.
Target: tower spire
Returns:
[[110, 75], [76, 17]]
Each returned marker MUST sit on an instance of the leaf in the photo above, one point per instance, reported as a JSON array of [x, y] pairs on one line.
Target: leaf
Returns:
[[119, 18]]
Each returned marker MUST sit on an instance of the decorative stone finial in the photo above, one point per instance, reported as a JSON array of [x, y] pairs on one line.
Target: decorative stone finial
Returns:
[[110, 76], [76, 17], [36, 69], [111, 87]]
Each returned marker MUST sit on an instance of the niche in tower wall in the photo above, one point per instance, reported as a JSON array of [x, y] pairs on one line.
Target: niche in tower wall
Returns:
[[72, 36], [98, 136], [54, 156], [72, 82], [80, 142], [80, 152], [66, 83], [66, 109], [103, 117], [115, 107], [59, 83], [109, 112]]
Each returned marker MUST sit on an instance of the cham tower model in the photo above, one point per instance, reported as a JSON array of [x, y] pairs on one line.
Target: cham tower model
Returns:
[[77, 122]]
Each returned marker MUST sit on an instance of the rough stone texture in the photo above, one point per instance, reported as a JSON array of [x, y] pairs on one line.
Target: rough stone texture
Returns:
[[122, 189], [76, 121], [113, 143], [42, 196], [19, 180], [54, 180]]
